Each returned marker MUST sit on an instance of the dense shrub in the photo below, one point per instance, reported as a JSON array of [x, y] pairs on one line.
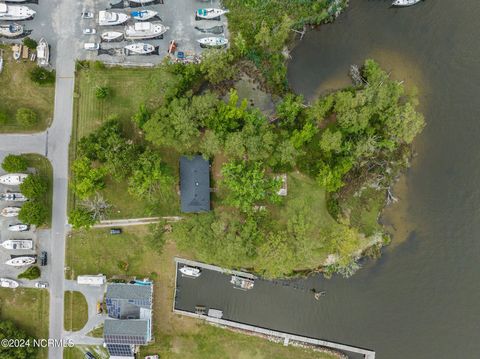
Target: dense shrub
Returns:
[[13, 163], [26, 117], [30, 273]]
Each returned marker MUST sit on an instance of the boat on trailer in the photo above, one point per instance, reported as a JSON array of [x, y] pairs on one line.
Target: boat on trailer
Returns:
[[213, 41], [111, 36], [13, 179], [8, 283], [210, 13], [18, 244], [145, 30], [404, 3], [143, 15], [15, 12], [241, 283], [10, 211], [11, 31], [19, 227], [43, 53], [110, 18], [140, 48], [20, 261], [13, 197], [190, 271]]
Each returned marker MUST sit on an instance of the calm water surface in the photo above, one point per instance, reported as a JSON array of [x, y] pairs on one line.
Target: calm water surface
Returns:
[[422, 298]]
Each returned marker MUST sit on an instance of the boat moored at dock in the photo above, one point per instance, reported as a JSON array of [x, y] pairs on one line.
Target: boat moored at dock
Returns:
[[241, 283], [13, 179], [8, 283], [145, 30], [15, 12], [190, 271], [18, 244], [404, 3]]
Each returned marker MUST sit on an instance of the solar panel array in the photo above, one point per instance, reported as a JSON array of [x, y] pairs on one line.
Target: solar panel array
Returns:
[[124, 339], [120, 350]]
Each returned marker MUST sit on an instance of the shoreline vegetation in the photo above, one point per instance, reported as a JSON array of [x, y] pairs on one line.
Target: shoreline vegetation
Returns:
[[338, 156]]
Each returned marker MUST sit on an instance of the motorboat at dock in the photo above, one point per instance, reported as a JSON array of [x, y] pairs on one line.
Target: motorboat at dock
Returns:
[[10, 211], [145, 30], [241, 283], [15, 12], [111, 36], [20, 261], [17, 244], [13, 179], [8, 283], [190, 271], [43, 53], [111, 18], [140, 48], [213, 41], [19, 227]]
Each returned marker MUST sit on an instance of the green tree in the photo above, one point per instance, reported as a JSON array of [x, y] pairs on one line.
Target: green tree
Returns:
[[31, 273], [141, 116], [34, 186], [248, 185], [14, 163], [3, 118], [9, 331], [33, 212], [102, 92], [151, 176], [276, 256], [42, 76], [289, 109], [217, 65], [331, 141], [210, 145], [88, 180], [30, 43], [81, 218], [26, 117]]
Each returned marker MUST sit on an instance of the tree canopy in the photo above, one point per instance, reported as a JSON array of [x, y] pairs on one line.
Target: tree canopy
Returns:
[[8, 330]]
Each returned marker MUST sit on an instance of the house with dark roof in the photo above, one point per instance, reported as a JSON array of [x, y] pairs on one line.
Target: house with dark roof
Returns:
[[194, 184], [129, 308]]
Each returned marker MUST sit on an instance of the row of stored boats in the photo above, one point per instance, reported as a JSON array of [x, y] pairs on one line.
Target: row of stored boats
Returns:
[[16, 12]]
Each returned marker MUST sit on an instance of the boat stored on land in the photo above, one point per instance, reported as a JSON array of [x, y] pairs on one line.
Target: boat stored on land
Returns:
[[143, 15], [43, 53], [19, 227], [140, 48], [15, 12], [110, 18], [10, 211], [20, 261], [141, 2], [145, 30], [210, 14], [18, 244], [217, 30], [11, 31], [16, 52], [110, 36], [13, 179], [13, 197], [213, 41], [403, 3], [190, 271], [8, 283], [241, 283]]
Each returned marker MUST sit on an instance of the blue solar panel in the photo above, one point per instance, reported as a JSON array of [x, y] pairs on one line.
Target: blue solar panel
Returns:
[[120, 350]]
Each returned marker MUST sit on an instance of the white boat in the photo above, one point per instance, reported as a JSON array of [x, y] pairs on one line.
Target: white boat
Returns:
[[145, 30], [109, 36], [108, 18], [16, 52], [209, 14], [18, 244], [43, 53], [143, 15], [405, 2], [19, 227], [13, 197], [20, 261], [10, 211], [190, 271], [15, 12], [213, 41], [11, 30], [139, 48], [142, 2], [8, 283], [13, 179], [241, 283]]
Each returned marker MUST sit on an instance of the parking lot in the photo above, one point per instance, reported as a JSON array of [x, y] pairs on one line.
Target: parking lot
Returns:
[[40, 240]]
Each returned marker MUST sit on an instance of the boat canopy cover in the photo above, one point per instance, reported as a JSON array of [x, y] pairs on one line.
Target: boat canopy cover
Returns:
[[3, 7], [138, 13], [142, 26]]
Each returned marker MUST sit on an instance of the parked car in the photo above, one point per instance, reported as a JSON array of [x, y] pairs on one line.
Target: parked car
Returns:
[[89, 355], [43, 258], [89, 31], [116, 231], [91, 46], [87, 15], [41, 285]]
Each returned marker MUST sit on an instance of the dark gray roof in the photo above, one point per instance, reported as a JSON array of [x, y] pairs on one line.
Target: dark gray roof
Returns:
[[131, 331], [194, 184], [129, 291]]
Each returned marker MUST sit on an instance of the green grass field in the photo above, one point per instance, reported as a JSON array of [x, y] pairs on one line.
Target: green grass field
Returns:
[[44, 168], [17, 90], [76, 311], [28, 309], [129, 88], [78, 352]]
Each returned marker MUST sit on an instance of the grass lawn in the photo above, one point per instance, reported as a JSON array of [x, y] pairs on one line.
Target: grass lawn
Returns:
[[76, 311], [129, 88], [97, 332], [96, 251], [17, 91], [28, 309], [44, 168], [78, 352]]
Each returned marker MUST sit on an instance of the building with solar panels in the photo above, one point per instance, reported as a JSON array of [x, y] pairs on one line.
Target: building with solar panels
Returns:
[[129, 308]]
